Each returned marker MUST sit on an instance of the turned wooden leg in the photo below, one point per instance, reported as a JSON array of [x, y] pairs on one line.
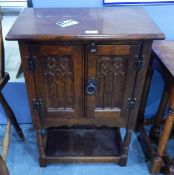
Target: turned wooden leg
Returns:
[[156, 163], [6, 141], [11, 116], [155, 130], [42, 159], [125, 148], [19, 70], [3, 167]]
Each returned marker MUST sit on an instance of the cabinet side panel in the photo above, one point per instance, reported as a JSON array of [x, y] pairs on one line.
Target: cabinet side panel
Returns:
[[30, 83], [140, 81]]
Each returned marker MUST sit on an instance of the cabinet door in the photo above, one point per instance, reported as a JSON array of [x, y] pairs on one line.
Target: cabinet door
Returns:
[[59, 80], [110, 80]]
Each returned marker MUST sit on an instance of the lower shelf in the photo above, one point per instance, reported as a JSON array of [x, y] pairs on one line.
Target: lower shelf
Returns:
[[83, 145]]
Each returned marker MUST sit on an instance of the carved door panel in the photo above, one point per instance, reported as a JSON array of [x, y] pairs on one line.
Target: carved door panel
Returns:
[[59, 80], [110, 79]]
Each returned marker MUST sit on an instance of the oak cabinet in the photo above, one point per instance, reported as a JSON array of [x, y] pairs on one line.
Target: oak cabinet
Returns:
[[84, 84], [71, 84]]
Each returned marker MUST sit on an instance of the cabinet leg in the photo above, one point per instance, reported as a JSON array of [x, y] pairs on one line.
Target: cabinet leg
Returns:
[[125, 148], [42, 162], [42, 159]]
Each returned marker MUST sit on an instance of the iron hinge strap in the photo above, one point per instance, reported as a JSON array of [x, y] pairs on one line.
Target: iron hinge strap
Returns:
[[131, 102], [171, 111], [37, 104], [139, 62], [93, 48], [31, 63]]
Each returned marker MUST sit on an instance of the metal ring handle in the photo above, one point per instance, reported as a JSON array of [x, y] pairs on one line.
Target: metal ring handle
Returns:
[[91, 87]]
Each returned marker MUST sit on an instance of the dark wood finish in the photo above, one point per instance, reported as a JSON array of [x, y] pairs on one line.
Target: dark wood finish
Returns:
[[162, 59], [2, 65], [76, 79], [71, 143], [59, 79], [40, 139], [164, 51], [37, 25], [111, 68], [140, 121], [11, 116], [19, 70], [3, 169], [29, 5]]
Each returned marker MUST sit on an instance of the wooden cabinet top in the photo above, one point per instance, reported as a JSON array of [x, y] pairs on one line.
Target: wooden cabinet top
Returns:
[[93, 24], [165, 52]]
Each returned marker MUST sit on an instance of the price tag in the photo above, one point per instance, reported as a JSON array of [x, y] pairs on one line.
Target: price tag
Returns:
[[91, 31]]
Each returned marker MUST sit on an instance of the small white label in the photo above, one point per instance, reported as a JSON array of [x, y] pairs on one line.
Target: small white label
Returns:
[[91, 31], [67, 23]]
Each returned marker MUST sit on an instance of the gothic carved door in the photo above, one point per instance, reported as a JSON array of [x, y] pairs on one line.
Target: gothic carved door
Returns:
[[110, 79], [59, 80]]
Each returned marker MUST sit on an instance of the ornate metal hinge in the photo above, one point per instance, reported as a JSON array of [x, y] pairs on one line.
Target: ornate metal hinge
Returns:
[[31, 63], [37, 104], [139, 62], [131, 102], [93, 48]]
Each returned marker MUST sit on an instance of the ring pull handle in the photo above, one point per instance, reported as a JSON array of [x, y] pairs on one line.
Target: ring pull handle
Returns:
[[91, 87]]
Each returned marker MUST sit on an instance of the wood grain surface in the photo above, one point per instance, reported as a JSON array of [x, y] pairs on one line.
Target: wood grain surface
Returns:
[[110, 23]]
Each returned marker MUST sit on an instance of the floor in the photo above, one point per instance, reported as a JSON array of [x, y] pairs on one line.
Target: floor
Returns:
[[23, 159]]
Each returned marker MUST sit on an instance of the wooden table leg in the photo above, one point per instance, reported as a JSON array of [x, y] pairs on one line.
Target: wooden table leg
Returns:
[[3, 167], [155, 129], [6, 141], [156, 163], [11, 116]]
